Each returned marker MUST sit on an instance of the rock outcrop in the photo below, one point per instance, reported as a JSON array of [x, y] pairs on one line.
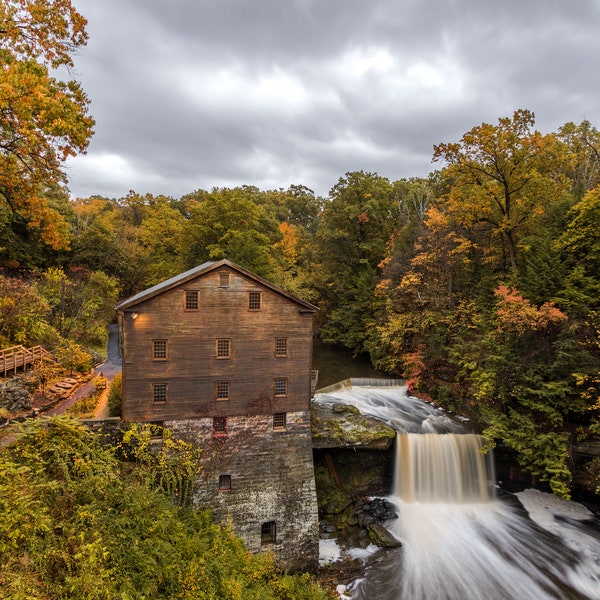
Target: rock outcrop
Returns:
[[343, 426], [15, 396]]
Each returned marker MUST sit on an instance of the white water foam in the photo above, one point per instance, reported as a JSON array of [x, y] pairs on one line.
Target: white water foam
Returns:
[[487, 551], [329, 551]]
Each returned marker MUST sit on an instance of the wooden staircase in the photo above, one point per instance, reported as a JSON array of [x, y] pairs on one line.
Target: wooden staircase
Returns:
[[18, 356]]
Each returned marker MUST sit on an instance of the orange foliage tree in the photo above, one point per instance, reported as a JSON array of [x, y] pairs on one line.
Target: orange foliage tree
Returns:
[[503, 175], [44, 119]]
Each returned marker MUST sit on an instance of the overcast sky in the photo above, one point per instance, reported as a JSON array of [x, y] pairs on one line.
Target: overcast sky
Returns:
[[192, 94]]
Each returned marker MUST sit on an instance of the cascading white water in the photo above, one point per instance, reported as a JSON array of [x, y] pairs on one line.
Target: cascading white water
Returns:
[[448, 467], [459, 542]]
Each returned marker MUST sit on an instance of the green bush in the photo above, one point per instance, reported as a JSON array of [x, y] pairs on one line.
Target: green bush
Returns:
[[115, 396], [74, 358], [76, 522]]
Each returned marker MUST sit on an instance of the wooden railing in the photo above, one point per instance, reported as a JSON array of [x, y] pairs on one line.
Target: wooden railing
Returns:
[[18, 356]]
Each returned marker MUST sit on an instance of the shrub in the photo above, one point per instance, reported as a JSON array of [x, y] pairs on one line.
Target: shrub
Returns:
[[115, 396]]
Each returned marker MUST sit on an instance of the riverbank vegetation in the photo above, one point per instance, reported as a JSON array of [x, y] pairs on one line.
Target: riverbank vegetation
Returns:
[[80, 520]]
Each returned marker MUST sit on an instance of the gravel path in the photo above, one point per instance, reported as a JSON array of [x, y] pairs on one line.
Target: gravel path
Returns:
[[109, 369]]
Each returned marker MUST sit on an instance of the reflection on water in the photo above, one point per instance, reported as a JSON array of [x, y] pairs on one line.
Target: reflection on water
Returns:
[[526, 547], [335, 364]]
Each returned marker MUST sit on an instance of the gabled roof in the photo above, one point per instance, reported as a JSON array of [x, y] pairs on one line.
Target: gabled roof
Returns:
[[203, 269]]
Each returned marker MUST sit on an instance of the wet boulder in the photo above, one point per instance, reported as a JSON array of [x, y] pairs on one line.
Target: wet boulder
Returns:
[[343, 426], [381, 537], [374, 510]]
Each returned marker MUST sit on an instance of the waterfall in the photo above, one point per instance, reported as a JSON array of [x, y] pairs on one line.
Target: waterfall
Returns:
[[447, 467], [459, 541]]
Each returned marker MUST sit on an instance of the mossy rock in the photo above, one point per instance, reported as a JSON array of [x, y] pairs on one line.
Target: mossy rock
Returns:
[[381, 537], [341, 409], [343, 426]]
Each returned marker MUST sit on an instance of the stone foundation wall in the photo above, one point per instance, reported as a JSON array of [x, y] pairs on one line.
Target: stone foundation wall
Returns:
[[272, 481]]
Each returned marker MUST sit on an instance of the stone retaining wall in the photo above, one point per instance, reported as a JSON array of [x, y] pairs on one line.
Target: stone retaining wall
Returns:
[[272, 481]]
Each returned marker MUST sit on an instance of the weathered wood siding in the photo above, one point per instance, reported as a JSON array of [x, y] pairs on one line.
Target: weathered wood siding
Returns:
[[192, 369]]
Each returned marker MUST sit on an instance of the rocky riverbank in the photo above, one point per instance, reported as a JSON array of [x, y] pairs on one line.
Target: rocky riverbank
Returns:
[[354, 457]]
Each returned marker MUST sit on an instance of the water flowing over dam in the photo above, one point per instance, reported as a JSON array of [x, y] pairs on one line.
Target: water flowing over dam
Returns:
[[442, 468], [460, 542]]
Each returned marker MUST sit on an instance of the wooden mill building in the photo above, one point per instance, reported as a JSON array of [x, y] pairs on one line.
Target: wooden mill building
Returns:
[[223, 358]]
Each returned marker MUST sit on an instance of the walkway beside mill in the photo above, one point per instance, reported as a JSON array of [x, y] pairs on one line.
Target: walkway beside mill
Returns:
[[108, 369]]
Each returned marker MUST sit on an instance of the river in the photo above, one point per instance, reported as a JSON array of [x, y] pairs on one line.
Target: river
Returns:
[[460, 539]]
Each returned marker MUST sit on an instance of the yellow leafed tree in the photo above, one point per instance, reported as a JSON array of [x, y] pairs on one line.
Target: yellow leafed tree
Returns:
[[43, 119], [503, 176]]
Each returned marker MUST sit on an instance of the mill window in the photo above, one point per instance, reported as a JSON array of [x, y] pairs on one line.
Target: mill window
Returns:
[[223, 348], [223, 279], [279, 421], [220, 425], [281, 387], [159, 392], [222, 390], [281, 347], [224, 483], [268, 532], [159, 349], [254, 300], [191, 300]]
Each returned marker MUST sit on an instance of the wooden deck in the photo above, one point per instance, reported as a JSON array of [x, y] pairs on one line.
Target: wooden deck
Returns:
[[17, 357]]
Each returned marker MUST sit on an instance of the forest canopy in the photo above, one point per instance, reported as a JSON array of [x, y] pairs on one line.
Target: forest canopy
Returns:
[[44, 120]]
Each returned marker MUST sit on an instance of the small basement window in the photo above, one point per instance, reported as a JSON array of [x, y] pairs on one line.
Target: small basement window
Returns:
[[268, 532], [223, 348], [159, 349], [157, 430], [220, 425], [224, 483], [281, 386], [254, 300], [281, 347], [191, 300], [222, 390], [279, 421], [159, 392]]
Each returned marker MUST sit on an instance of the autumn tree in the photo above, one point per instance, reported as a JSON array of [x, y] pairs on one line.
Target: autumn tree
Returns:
[[503, 176], [112, 244], [24, 313], [160, 234], [297, 210], [82, 303], [231, 223], [427, 282], [86, 210], [413, 197], [583, 142], [43, 119], [25, 247], [352, 236], [297, 206], [521, 377]]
